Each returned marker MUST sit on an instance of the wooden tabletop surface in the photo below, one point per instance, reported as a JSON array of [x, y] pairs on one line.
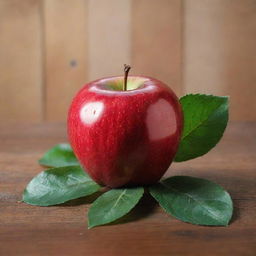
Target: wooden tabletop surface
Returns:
[[62, 230]]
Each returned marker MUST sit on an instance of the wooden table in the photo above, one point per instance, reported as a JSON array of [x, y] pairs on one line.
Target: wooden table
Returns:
[[62, 230]]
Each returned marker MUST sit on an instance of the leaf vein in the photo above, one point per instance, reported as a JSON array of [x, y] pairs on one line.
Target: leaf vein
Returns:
[[118, 199], [202, 122], [215, 216]]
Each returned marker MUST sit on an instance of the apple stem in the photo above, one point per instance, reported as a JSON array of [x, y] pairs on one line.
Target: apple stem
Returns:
[[126, 71]]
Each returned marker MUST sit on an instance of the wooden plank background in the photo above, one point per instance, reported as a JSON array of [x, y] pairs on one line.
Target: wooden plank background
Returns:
[[50, 48], [20, 61], [219, 52], [65, 50]]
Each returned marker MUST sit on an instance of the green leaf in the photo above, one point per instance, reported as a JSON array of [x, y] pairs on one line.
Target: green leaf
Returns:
[[194, 200], [205, 120], [59, 156], [58, 185], [113, 205]]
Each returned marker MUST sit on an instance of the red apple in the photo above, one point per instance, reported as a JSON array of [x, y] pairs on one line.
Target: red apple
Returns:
[[125, 138]]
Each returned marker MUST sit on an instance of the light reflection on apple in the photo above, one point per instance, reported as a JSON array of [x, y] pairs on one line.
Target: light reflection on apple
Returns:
[[159, 113], [91, 112]]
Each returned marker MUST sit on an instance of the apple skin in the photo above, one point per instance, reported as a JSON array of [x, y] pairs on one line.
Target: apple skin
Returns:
[[125, 138]]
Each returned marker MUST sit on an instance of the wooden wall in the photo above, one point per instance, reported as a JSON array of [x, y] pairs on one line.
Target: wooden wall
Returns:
[[50, 48], [220, 52]]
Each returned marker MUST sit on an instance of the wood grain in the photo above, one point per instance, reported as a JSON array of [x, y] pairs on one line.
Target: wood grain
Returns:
[[50, 48], [219, 52], [109, 37], [147, 230], [20, 61], [65, 54], [156, 40]]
